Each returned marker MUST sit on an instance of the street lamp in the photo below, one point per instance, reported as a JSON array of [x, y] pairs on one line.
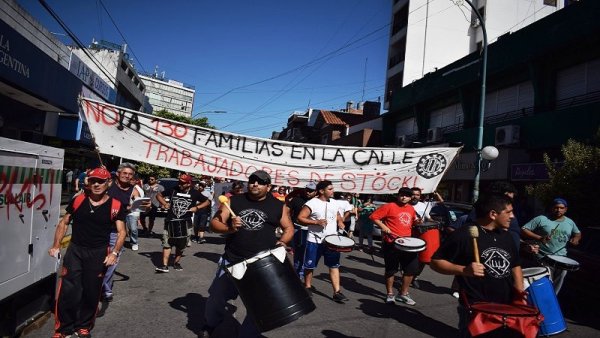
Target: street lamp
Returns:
[[481, 103], [208, 112]]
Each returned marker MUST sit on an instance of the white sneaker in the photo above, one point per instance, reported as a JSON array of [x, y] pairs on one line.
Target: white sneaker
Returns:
[[390, 299], [455, 294], [405, 299], [134, 247]]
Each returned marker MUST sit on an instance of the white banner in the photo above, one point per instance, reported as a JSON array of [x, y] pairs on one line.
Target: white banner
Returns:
[[145, 138]]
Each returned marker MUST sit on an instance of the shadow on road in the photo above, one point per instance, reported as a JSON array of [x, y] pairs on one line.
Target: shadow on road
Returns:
[[155, 257], [193, 305], [211, 256], [368, 261], [409, 317], [335, 334]]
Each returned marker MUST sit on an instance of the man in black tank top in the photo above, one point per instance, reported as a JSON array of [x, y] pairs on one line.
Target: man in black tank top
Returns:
[[252, 230], [121, 189]]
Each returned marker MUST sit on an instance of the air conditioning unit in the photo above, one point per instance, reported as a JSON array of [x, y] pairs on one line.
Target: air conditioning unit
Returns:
[[434, 134], [507, 135], [401, 140]]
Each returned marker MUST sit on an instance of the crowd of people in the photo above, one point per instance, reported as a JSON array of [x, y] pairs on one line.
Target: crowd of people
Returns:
[[485, 250]]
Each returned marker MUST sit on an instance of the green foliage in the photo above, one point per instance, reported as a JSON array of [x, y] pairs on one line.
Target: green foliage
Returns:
[[578, 181], [145, 169], [200, 122]]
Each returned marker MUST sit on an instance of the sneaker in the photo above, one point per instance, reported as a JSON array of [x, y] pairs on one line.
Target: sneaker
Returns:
[[60, 335], [206, 331], [201, 241], [189, 243], [455, 294], [339, 297], [163, 268], [177, 267], [405, 299], [390, 299], [415, 284], [83, 333], [135, 247], [108, 298], [309, 290]]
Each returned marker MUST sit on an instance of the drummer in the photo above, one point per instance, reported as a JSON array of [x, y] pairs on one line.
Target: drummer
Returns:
[[184, 201], [553, 232], [258, 214], [422, 210], [498, 278], [396, 219], [321, 216]]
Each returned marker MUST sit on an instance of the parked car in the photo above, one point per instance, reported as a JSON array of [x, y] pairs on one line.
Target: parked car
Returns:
[[447, 213]]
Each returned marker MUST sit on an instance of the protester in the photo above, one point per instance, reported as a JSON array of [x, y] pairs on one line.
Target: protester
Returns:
[[296, 203], [184, 201], [553, 232], [93, 216], [396, 220], [366, 225], [151, 189], [201, 217], [498, 278], [258, 214], [321, 216]]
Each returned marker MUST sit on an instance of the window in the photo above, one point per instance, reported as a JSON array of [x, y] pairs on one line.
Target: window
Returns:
[[550, 3]]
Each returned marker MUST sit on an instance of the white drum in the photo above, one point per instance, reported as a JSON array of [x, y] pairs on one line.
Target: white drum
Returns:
[[339, 243], [561, 262], [409, 244], [530, 275]]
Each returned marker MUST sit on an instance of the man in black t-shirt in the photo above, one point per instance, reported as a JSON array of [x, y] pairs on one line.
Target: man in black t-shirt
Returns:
[[258, 214], [94, 215], [498, 278], [184, 202]]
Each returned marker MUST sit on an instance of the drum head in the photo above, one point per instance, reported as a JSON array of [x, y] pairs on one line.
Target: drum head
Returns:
[[409, 244], [562, 262], [535, 271], [339, 241]]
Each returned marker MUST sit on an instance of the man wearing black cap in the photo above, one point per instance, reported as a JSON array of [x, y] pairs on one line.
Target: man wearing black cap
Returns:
[[184, 202], [553, 232], [396, 220], [251, 231], [94, 215]]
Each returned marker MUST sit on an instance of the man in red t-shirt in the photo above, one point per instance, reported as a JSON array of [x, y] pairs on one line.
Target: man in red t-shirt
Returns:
[[396, 220]]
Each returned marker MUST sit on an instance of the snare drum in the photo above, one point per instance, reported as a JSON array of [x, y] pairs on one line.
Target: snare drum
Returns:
[[339, 243], [561, 262], [430, 233], [410, 244], [177, 228], [487, 317]]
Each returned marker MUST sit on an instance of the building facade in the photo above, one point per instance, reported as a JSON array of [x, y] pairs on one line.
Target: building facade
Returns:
[[426, 35], [170, 95], [543, 88]]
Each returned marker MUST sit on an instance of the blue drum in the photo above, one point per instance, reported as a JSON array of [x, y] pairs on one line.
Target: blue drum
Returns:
[[541, 295]]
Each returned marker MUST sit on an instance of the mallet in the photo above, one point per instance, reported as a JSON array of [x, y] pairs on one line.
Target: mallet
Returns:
[[225, 201]]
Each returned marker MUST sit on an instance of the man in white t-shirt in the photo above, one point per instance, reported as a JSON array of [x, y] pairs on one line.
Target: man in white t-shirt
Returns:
[[345, 208], [321, 216]]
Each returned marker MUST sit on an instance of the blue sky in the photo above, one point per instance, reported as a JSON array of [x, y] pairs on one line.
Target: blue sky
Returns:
[[257, 60]]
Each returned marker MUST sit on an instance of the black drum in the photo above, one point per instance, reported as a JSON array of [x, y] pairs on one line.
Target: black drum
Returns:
[[272, 293], [177, 228]]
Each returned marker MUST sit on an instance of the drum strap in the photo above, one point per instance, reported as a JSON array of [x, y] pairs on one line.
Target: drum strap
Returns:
[[238, 270]]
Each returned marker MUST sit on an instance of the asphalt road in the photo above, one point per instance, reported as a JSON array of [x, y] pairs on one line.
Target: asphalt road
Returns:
[[147, 304]]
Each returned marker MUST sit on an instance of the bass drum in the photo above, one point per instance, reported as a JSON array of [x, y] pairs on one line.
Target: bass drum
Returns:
[[272, 293]]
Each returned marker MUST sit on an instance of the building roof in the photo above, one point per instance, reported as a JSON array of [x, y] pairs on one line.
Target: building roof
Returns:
[[342, 119]]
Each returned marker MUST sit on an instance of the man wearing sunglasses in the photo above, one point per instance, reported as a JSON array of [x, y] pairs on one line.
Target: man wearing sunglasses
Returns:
[[184, 202], [88, 255], [252, 230]]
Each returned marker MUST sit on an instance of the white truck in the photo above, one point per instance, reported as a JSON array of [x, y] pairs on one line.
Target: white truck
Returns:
[[30, 198]]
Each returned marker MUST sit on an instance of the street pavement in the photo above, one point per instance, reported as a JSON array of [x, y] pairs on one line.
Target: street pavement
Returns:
[[148, 304]]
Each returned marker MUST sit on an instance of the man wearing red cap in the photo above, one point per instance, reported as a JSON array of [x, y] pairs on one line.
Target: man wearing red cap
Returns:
[[94, 215], [184, 202]]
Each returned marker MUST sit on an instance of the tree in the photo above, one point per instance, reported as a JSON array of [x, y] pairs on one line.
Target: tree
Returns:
[[577, 180], [146, 169]]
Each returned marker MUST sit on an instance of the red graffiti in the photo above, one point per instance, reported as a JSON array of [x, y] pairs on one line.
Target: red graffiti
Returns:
[[29, 197]]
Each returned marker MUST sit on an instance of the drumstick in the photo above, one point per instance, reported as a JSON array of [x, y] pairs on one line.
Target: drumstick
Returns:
[[474, 234], [225, 201]]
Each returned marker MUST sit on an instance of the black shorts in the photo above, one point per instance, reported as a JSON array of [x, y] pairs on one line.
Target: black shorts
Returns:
[[150, 213], [395, 259]]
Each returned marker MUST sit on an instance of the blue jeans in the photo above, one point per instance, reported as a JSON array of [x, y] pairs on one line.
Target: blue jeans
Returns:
[[132, 221], [220, 292], [110, 271]]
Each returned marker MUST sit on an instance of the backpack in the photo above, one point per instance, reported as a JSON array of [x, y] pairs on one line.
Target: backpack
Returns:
[[114, 208]]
